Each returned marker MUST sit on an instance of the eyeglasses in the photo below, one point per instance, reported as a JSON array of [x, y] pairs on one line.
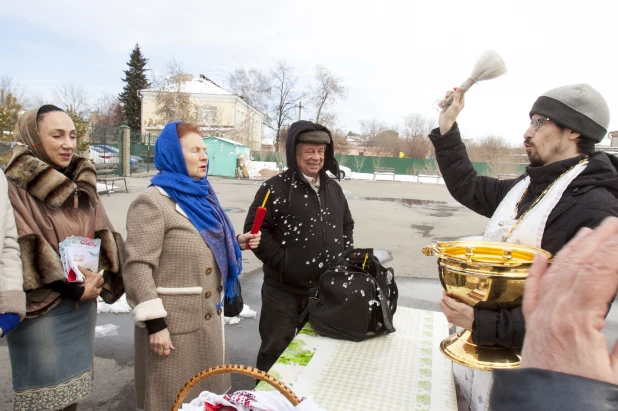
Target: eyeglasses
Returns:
[[535, 123]]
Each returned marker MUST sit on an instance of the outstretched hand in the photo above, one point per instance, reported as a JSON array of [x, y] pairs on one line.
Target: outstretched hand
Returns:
[[449, 116], [565, 306]]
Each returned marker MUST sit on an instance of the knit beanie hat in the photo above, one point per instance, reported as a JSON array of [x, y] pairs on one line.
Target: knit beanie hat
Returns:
[[314, 137], [578, 107]]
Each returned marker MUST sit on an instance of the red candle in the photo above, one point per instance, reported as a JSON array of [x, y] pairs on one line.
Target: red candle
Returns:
[[259, 217]]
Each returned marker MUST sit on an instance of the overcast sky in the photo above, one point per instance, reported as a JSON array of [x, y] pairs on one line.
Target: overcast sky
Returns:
[[396, 57]]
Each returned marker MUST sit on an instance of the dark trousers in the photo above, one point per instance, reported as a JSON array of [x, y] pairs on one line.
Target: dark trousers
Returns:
[[279, 323]]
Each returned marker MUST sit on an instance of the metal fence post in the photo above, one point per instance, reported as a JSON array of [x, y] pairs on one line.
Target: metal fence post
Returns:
[[126, 150], [148, 154]]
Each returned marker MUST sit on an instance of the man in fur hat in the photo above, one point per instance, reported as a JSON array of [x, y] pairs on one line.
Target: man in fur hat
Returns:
[[566, 186], [307, 224]]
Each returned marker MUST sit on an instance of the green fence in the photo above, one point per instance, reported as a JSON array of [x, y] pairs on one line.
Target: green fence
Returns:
[[142, 157], [405, 166], [142, 151], [106, 147]]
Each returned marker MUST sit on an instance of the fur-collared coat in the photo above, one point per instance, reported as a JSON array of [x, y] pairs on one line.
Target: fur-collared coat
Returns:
[[171, 273], [50, 206], [12, 297]]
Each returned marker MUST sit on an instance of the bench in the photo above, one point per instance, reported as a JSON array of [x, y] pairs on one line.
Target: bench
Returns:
[[428, 173], [383, 170], [107, 173]]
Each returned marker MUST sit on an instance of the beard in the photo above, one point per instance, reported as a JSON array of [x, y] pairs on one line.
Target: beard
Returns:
[[535, 160], [533, 156]]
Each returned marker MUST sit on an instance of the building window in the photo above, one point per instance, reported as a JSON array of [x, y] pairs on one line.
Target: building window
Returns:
[[207, 115]]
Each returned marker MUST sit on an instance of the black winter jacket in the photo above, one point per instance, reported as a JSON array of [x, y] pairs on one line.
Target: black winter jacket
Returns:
[[535, 389], [589, 199], [301, 236]]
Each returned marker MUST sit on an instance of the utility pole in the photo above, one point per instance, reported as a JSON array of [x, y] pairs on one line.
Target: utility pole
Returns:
[[300, 108]]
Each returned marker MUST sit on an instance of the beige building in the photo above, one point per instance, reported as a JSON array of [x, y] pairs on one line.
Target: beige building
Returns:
[[217, 112]]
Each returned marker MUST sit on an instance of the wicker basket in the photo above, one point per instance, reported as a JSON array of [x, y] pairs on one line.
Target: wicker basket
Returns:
[[237, 369]]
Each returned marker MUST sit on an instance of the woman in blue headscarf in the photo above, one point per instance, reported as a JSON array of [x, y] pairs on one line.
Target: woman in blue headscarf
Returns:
[[182, 260]]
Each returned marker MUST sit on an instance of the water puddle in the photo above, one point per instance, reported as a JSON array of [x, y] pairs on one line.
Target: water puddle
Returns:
[[234, 210], [407, 201], [424, 229]]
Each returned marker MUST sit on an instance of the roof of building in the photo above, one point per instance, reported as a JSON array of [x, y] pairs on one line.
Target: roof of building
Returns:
[[195, 86], [236, 143]]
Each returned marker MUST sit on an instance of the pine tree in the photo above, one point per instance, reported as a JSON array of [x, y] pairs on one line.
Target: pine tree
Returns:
[[9, 111], [136, 80]]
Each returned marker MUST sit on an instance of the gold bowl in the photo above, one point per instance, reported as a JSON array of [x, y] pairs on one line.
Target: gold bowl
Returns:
[[487, 275]]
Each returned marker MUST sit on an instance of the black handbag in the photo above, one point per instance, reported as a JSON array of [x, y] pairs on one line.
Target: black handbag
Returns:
[[352, 302], [233, 307]]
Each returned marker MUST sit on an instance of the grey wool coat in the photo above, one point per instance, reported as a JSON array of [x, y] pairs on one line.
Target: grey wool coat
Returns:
[[171, 273]]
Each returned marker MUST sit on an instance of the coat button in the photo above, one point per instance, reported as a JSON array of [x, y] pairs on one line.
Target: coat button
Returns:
[[207, 316], [219, 311], [207, 294], [220, 288], [208, 271]]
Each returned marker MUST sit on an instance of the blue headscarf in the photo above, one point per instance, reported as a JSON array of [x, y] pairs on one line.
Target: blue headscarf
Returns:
[[199, 201]]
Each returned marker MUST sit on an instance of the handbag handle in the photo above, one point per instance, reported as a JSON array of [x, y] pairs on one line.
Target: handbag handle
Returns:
[[345, 256], [237, 369], [385, 310]]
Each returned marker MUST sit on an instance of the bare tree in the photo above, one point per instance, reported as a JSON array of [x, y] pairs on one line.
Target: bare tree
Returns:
[[35, 100], [285, 97], [253, 86], [11, 104], [415, 131], [340, 141], [107, 111], [502, 158], [329, 119], [328, 88], [417, 147], [72, 97], [488, 149], [370, 129], [417, 125], [9, 86], [388, 143], [173, 102]]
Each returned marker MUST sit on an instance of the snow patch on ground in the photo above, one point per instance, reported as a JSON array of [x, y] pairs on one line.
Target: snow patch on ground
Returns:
[[398, 177], [119, 307], [117, 187], [256, 166], [107, 330], [246, 312]]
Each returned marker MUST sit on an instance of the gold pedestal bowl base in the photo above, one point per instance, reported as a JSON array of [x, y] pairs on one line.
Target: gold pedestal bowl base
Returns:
[[459, 348]]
